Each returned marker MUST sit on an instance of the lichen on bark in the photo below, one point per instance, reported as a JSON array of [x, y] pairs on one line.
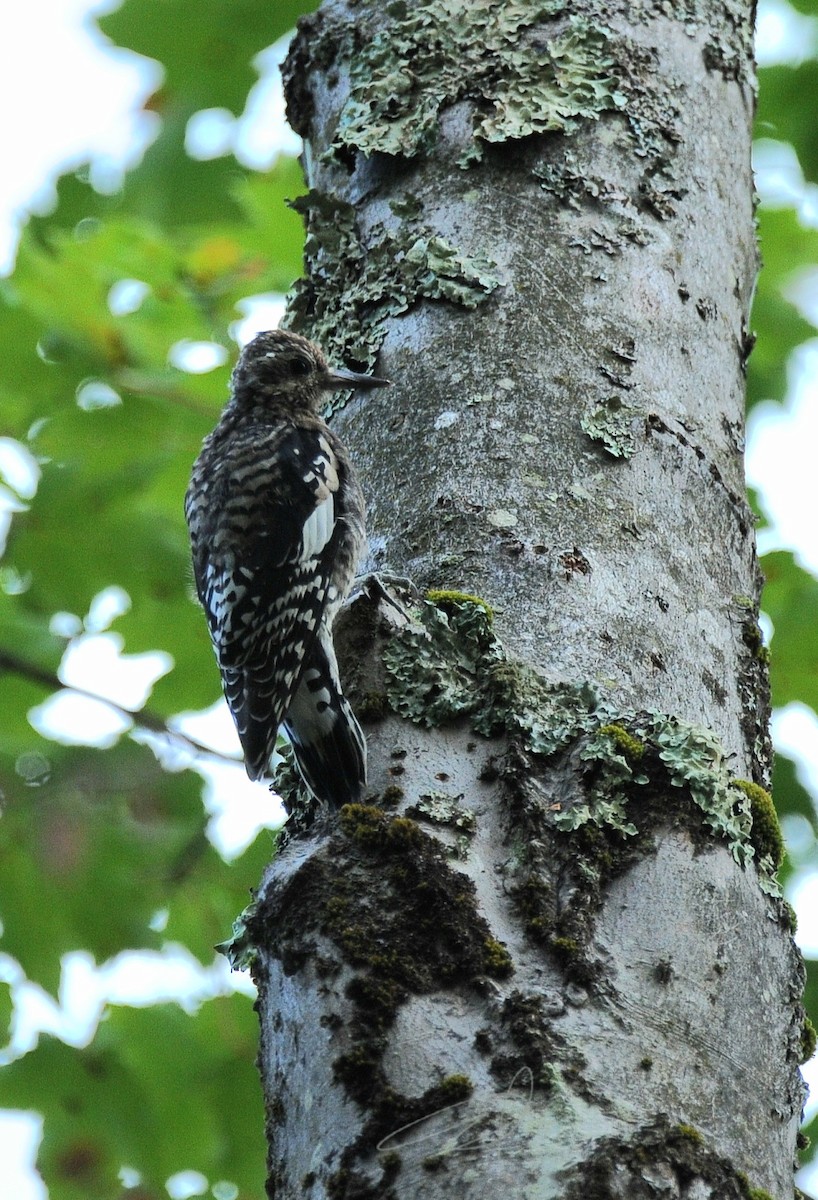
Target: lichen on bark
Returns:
[[353, 283], [448, 664], [558, 449], [495, 54]]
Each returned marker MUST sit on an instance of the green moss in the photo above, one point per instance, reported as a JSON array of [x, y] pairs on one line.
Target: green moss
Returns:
[[616, 1166], [400, 923], [566, 948], [632, 748], [808, 1040], [790, 916], [454, 1089], [496, 959], [533, 899], [765, 834], [479, 52], [372, 707], [374, 829], [359, 1070], [748, 1191], [753, 638], [450, 601], [392, 795], [527, 1043]]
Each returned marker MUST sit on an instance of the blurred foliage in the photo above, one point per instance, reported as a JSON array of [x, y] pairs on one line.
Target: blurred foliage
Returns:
[[95, 843], [787, 101], [104, 850], [158, 1089]]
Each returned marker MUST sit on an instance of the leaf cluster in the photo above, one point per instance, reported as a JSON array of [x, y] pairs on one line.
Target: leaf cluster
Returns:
[[104, 850]]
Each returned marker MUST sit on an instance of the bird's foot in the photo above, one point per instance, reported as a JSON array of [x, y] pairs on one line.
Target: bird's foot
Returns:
[[383, 586]]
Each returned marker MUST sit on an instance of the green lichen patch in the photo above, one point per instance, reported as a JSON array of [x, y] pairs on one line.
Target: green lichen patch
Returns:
[[630, 776], [495, 53], [351, 286], [543, 717], [765, 833], [676, 755], [583, 84], [299, 803], [238, 949], [611, 425], [448, 600], [439, 808], [433, 663], [446, 665]]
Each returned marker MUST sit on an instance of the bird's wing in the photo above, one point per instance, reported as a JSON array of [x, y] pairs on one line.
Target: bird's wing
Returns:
[[263, 549], [264, 540]]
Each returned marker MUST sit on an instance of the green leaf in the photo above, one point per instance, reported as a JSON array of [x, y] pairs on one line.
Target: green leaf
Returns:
[[103, 842], [157, 1091], [790, 599], [204, 46], [790, 795], [6, 1011], [783, 114], [786, 247]]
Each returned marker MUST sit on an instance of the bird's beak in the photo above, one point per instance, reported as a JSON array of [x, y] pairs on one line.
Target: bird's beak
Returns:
[[349, 379]]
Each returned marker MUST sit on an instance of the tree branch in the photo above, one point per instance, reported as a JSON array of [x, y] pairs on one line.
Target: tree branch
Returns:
[[142, 718]]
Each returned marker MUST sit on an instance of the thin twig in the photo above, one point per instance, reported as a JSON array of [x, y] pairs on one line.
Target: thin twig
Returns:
[[142, 718]]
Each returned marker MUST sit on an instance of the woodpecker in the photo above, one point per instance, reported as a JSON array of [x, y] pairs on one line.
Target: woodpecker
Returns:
[[276, 520]]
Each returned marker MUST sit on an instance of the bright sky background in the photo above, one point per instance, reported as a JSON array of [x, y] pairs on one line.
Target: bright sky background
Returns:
[[69, 96]]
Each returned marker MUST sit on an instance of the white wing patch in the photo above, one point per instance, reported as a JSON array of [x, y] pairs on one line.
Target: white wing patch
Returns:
[[318, 529]]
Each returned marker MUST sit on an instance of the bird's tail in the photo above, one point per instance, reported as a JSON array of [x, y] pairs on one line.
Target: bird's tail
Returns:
[[254, 697], [327, 741]]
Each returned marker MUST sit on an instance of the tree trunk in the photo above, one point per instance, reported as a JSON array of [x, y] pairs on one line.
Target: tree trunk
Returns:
[[549, 956]]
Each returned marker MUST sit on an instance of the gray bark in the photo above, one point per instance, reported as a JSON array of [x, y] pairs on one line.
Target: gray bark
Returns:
[[466, 993]]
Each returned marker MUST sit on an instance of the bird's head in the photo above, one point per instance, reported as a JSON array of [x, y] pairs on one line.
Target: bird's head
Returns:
[[285, 367]]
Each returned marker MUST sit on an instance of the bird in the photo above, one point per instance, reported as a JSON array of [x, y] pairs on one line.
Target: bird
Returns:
[[276, 521]]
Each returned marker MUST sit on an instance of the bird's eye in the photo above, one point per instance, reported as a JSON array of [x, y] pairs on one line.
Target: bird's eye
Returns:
[[301, 366]]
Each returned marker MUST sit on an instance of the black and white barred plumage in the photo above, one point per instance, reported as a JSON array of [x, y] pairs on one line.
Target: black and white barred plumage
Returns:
[[276, 521]]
